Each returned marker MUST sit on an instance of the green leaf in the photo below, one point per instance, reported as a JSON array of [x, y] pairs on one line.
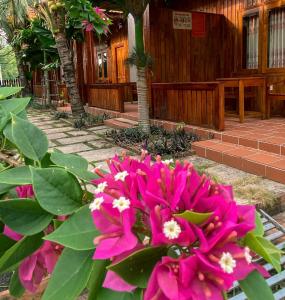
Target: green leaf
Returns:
[[136, 268], [6, 92], [255, 287], [74, 164], [194, 217], [259, 229], [97, 277], [106, 294], [14, 106], [15, 287], [265, 249], [78, 232], [57, 191], [19, 251], [5, 188], [24, 216], [30, 140], [16, 176], [5, 243], [70, 275]]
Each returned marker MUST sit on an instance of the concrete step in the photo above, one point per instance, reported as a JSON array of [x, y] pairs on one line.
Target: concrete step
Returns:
[[248, 159], [120, 123]]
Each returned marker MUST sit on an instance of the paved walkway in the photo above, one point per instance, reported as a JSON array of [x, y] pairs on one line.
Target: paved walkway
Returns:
[[87, 143]]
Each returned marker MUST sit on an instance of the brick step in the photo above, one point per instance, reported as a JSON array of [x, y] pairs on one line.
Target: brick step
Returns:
[[258, 162], [120, 123]]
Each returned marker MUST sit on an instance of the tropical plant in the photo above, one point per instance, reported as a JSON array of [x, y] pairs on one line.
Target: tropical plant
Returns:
[[60, 16], [8, 62], [13, 16], [148, 228]]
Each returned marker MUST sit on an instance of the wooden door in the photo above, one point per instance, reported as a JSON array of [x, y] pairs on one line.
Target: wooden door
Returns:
[[120, 64]]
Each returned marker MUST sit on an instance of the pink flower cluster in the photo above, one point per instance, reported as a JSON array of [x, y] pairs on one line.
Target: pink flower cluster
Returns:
[[136, 206], [89, 26], [37, 266]]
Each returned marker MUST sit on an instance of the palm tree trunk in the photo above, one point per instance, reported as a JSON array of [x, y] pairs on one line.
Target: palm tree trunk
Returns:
[[69, 73], [142, 88]]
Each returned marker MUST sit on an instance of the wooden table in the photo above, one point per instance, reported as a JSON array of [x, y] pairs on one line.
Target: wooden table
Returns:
[[241, 83]]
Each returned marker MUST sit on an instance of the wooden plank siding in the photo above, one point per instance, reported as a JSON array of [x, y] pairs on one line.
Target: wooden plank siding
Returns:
[[192, 103]]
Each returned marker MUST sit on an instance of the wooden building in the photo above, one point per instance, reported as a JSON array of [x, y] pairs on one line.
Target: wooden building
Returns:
[[210, 57]]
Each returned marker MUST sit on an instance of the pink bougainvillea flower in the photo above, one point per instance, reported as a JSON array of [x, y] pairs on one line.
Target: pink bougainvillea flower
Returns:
[[169, 230], [116, 283], [11, 233], [25, 191], [35, 267], [115, 225]]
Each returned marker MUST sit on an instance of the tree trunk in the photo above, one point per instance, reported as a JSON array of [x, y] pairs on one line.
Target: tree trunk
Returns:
[[142, 87], [46, 83], [22, 77], [69, 73]]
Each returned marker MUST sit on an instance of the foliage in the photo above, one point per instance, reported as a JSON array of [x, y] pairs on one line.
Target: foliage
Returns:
[[47, 226], [87, 120], [8, 63], [61, 115], [158, 142]]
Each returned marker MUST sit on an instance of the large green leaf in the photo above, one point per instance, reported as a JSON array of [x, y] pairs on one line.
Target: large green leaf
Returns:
[[57, 191], [97, 277], [24, 216], [78, 232], [16, 176], [15, 287], [14, 106], [6, 92], [30, 140], [70, 275], [74, 164], [19, 251], [194, 217], [136, 268], [5, 188], [5, 243], [255, 287], [265, 249]]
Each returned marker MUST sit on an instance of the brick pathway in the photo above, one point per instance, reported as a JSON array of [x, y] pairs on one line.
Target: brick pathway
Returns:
[[87, 142]]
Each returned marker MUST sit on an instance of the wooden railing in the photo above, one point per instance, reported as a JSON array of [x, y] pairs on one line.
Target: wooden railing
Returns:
[[10, 82], [109, 96], [196, 103]]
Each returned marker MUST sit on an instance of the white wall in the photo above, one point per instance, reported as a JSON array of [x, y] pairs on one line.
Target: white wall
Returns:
[[131, 39]]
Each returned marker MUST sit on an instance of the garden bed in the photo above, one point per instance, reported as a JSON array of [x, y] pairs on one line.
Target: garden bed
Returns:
[[174, 144]]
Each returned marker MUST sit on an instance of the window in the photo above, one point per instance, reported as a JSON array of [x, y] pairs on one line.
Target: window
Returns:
[[276, 38], [102, 65], [250, 41]]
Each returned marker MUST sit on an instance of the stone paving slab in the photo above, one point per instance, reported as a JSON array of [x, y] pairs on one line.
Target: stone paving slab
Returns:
[[75, 148], [55, 136], [96, 128], [78, 132], [100, 144], [101, 154], [79, 139], [55, 130]]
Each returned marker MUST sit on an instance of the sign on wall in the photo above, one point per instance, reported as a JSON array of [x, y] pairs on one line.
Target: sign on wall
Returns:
[[182, 20]]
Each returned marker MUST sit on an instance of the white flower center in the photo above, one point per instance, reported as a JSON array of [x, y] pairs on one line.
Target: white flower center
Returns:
[[227, 263], [121, 204], [146, 240], [171, 229], [121, 176], [247, 255], [168, 161], [96, 204], [101, 187]]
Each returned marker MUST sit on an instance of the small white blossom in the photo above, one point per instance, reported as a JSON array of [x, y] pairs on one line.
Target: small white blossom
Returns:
[[121, 176], [227, 262], [146, 240], [168, 161], [247, 255], [101, 187], [171, 229], [121, 204], [96, 204]]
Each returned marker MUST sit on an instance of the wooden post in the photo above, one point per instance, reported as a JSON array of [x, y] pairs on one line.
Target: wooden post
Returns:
[[241, 101], [221, 108]]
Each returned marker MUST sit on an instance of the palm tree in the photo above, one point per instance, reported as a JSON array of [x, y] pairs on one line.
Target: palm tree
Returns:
[[139, 57], [13, 16], [57, 16]]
